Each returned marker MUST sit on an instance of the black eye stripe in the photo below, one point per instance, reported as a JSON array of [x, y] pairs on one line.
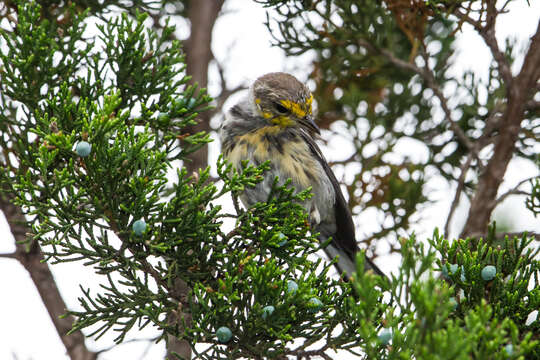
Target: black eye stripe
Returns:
[[280, 108]]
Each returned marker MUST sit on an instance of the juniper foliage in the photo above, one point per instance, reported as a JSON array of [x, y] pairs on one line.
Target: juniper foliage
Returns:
[[124, 92]]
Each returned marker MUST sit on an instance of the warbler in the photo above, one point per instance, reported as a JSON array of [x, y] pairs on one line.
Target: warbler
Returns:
[[275, 122]]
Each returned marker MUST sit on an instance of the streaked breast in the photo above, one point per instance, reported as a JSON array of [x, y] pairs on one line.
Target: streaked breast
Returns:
[[289, 155]]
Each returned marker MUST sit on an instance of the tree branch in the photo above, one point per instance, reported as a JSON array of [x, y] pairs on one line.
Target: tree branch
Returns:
[[514, 191], [151, 341], [519, 91], [461, 185], [9, 256], [532, 105], [511, 235], [202, 14], [32, 259], [492, 123], [226, 91], [427, 75], [308, 354], [487, 32]]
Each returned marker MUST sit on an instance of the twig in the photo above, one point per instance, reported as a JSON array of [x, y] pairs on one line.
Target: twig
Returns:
[[518, 92], [503, 8], [511, 235], [150, 269], [493, 122], [427, 75], [461, 185], [31, 258], [9, 256], [225, 90], [236, 204], [309, 353], [515, 190], [151, 340], [432, 83], [487, 32], [532, 105]]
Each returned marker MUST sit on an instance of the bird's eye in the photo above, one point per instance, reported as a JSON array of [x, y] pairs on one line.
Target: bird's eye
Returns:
[[280, 108]]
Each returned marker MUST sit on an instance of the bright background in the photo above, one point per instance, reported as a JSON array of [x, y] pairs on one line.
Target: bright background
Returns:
[[243, 45]]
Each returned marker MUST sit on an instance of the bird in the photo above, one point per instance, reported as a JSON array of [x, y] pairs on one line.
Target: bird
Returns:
[[275, 122]]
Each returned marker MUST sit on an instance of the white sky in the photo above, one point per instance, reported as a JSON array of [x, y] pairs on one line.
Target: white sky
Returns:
[[26, 331]]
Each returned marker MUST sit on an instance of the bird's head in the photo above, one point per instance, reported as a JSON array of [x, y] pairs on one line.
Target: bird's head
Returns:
[[283, 101]]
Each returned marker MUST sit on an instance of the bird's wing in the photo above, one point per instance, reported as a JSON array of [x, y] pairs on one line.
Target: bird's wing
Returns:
[[344, 238]]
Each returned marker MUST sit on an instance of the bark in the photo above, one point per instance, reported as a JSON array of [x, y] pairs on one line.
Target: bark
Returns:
[[519, 92], [31, 258], [202, 15]]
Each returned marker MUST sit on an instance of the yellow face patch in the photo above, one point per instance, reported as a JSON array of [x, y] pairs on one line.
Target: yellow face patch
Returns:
[[280, 120], [283, 121], [298, 110], [267, 114]]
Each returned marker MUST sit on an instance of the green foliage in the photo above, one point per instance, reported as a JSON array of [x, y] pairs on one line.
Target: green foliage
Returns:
[[255, 273], [427, 322], [124, 92], [127, 98], [60, 87], [509, 293], [533, 201]]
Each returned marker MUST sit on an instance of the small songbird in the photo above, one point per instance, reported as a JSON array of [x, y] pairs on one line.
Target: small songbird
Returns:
[[274, 122]]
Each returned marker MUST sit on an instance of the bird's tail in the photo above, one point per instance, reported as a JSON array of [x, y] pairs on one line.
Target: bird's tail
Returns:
[[347, 262]]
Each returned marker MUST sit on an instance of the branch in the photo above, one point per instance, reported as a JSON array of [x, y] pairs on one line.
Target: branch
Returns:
[[150, 340], [307, 354], [514, 191], [427, 75], [532, 105], [461, 185], [155, 275], [511, 235], [202, 14], [519, 90], [32, 259], [9, 256], [487, 32], [493, 122], [225, 91]]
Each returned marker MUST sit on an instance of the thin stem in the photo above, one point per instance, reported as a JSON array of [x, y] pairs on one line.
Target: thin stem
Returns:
[[515, 190], [8, 256], [427, 75], [461, 185], [487, 32]]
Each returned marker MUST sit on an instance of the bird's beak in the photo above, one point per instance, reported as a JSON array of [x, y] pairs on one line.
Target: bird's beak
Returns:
[[309, 123]]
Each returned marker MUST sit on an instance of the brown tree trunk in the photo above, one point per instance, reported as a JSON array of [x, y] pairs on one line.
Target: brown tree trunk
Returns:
[[202, 15], [519, 91], [31, 258]]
